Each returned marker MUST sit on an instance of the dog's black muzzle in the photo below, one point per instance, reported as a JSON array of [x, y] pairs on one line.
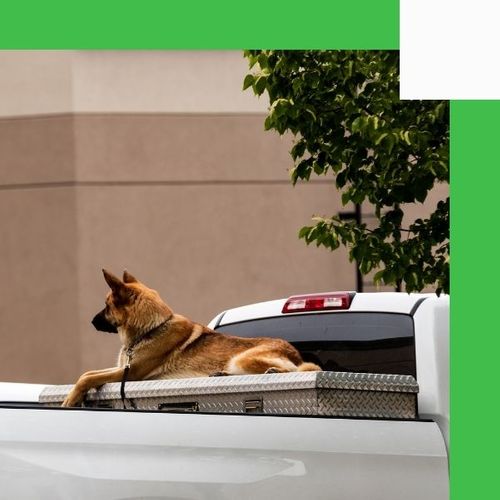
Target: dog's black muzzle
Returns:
[[102, 324]]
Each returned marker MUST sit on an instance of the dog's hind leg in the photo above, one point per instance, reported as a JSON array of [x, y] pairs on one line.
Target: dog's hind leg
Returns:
[[309, 367], [256, 361], [275, 369]]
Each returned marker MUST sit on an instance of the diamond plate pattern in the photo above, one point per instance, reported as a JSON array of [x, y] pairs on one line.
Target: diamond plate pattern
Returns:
[[367, 404], [301, 402], [299, 393], [366, 381]]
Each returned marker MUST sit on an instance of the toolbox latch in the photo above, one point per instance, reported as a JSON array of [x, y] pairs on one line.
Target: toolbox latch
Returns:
[[190, 407], [253, 405]]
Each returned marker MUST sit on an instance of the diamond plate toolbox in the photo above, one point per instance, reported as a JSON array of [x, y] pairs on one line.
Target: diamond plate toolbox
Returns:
[[336, 394]]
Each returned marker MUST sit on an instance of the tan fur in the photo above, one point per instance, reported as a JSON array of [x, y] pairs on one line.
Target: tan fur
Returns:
[[168, 345]]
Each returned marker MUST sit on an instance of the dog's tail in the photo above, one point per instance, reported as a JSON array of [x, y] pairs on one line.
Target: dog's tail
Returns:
[[309, 367]]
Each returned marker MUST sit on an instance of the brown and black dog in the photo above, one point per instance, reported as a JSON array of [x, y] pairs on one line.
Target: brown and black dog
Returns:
[[158, 344]]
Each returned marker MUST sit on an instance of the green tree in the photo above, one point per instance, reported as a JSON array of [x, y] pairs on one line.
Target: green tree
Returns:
[[344, 111]]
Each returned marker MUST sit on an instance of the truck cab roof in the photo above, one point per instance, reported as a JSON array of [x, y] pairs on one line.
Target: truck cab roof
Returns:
[[388, 302]]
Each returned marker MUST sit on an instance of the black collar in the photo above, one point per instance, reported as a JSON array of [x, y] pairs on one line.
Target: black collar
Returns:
[[145, 336]]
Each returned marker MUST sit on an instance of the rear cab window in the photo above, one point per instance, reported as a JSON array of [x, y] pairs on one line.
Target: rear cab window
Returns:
[[365, 342]]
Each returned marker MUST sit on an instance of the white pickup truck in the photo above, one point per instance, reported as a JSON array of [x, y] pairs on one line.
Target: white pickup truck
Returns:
[[98, 453]]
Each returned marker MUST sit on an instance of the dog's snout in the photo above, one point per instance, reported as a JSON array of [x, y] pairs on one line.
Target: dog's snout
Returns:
[[102, 324]]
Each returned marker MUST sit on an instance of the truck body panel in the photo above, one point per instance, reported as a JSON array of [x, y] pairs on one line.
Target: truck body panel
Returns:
[[432, 350], [100, 454]]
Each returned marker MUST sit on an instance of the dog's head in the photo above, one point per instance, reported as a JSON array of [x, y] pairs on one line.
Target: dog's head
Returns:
[[131, 306]]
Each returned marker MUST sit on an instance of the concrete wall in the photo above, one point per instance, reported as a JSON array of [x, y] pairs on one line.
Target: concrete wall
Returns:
[[151, 161]]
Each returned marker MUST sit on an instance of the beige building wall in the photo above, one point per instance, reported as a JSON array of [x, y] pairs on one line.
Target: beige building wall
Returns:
[[152, 161]]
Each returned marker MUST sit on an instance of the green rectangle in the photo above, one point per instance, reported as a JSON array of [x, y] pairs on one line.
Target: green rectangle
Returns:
[[475, 339], [221, 24]]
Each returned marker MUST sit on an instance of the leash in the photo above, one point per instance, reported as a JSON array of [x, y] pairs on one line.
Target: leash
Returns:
[[129, 353], [124, 380]]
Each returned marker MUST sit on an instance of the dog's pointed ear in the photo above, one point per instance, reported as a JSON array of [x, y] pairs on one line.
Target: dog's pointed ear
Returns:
[[113, 282], [128, 278]]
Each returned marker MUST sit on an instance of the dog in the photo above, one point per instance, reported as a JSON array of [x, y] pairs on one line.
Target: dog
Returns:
[[158, 344]]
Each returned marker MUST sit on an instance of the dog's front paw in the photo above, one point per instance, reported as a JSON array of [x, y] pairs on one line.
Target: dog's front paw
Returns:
[[219, 374], [70, 403], [74, 398]]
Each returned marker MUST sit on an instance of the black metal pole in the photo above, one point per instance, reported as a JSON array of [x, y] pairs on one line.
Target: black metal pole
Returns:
[[356, 215], [359, 276], [398, 284]]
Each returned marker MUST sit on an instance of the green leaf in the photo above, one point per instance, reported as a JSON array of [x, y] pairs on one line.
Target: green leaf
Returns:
[[268, 123], [252, 60], [391, 142], [281, 106], [248, 82], [298, 150], [356, 124], [358, 196], [349, 67], [318, 169], [311, 113], [341, 179], [297, 85], [260, 84], [262, 60], [380, 138], [304, 231], [368, 265]]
